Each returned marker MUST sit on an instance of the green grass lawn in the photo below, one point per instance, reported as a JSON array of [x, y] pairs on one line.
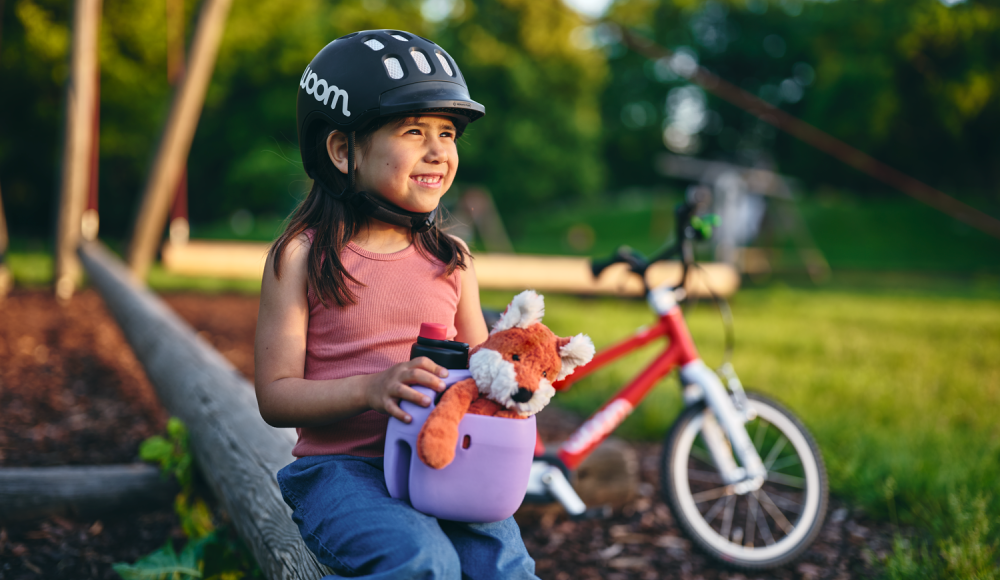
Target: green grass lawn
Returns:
[[902, 393]]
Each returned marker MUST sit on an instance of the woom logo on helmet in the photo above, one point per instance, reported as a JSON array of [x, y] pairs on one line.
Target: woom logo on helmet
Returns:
[[322, 90]]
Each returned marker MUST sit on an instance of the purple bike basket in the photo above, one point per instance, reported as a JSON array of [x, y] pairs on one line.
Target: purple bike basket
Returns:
[[485, 483]]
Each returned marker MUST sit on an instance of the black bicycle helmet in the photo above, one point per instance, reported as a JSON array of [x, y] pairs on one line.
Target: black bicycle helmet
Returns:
[[365, 75]]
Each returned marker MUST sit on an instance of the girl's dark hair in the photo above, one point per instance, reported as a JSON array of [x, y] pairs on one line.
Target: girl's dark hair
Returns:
[[335, 222]]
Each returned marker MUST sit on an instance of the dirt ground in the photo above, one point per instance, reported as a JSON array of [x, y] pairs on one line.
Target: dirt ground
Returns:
[[72, 393]]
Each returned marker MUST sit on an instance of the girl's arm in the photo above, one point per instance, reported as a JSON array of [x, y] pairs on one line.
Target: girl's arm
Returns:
[[469, 321], [284, 397]]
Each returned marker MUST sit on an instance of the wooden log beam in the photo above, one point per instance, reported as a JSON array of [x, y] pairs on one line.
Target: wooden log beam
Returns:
[[81, 98], [171, 157], [237, 452], [570, 274], [85, 491]]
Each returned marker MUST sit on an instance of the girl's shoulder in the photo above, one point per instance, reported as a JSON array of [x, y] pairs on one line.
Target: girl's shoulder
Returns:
[[294, 249]]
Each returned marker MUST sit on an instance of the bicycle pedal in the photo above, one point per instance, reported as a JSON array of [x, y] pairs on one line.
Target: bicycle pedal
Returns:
[[548, 480]]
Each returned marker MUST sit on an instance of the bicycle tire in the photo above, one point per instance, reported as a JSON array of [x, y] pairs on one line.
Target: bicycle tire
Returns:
[[783, 534]]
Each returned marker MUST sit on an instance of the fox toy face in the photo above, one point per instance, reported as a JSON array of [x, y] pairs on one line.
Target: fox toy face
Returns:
[[518, 363]]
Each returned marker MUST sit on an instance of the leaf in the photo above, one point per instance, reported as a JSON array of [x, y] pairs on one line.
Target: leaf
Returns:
[[195, 516], [163, 564], [156, 449], [177, 430]]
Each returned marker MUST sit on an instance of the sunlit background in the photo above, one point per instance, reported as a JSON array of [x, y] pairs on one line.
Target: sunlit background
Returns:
[[873, 315]]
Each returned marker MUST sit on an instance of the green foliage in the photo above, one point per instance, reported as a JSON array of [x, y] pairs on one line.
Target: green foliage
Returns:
[[540, 139], [210, 553], [966, 551], [970, 553], [216, 556], [916, 84], [171, 453], [164, 564]]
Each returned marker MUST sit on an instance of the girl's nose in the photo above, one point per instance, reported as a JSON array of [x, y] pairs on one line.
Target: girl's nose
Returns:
[[437, 151]]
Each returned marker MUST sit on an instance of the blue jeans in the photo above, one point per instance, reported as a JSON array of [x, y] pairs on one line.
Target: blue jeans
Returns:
[[348, 520]]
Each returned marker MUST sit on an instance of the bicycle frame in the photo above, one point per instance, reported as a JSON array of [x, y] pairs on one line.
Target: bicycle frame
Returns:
[[680, 353], [680, 350]]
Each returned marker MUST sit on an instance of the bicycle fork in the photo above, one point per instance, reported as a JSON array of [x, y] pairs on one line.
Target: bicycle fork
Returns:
[[724, 429]]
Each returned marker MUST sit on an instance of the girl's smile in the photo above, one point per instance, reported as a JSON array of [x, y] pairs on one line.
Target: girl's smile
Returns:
[[410, 163], [431, 180]]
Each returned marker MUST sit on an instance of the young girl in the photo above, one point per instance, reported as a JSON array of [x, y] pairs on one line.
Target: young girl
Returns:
[[361, 264]]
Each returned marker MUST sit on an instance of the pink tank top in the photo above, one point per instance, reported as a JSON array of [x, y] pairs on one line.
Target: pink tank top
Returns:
[[402, 289]]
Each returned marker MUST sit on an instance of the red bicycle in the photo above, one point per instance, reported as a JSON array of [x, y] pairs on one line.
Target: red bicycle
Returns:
[[742, 475]]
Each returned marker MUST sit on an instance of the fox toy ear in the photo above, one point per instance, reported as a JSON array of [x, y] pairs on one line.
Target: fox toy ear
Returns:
[[575, 351], [525, 309]]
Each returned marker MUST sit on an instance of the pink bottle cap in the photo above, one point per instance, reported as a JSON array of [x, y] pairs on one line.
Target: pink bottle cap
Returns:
[[433, 331]]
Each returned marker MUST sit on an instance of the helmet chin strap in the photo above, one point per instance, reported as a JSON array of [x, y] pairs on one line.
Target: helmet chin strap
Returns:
[[374, 206]]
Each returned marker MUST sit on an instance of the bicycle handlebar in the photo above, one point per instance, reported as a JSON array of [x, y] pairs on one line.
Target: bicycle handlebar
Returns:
[[690, 227]]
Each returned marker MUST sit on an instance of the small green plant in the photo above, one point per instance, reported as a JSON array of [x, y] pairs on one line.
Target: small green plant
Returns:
[[969, 553], [216, 556], [211, 553], [966, 551], [173, 456]]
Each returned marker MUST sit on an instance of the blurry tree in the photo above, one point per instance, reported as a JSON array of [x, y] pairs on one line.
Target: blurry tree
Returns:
[[914, 83], [540, 139]]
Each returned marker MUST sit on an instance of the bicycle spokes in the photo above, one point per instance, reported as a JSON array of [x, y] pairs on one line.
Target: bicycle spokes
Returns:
[[758, 518]]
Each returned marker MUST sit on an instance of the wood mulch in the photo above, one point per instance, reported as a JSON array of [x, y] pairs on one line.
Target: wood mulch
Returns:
[[72, 393]]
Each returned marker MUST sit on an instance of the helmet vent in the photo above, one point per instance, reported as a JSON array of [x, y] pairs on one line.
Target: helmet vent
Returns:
[[393, 67], [421, 59], [400, 37], [374, 44], [444, 63]]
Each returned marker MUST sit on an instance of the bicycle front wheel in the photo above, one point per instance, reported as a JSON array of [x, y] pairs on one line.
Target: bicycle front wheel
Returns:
[[752, 531]]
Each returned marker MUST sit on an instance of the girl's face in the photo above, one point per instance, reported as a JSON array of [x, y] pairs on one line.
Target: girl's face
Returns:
[[411, 165]]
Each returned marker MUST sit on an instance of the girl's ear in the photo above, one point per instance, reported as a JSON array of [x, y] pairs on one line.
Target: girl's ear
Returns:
[[336, 148]]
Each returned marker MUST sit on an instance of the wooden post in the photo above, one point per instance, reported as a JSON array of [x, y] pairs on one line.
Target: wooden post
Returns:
[[175, 144], [6, 280], [81, 98], [238, 452]]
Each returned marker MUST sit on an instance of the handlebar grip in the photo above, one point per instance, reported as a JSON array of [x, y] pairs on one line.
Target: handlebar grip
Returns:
[[635, 260], [598, 266]]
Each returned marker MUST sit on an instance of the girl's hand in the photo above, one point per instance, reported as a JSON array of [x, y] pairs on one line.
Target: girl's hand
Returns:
[[392, 385]]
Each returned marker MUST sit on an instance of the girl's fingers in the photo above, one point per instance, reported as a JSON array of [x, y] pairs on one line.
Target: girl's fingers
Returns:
[[407, 394], [430, 366], [420, 376], [393, 409]]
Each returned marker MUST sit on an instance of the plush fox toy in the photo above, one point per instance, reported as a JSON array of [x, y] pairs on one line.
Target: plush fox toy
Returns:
[[512, 376]]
